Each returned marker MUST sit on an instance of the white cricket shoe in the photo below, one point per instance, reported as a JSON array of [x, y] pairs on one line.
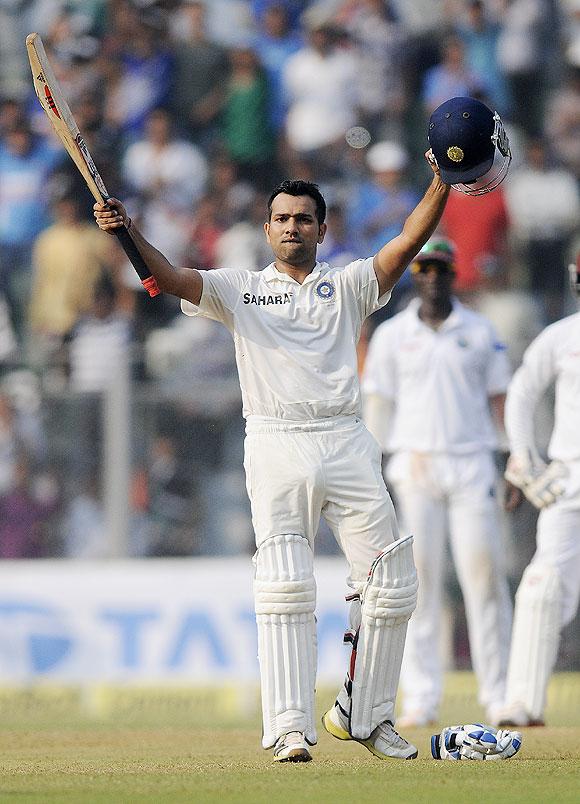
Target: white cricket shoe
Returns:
[[384, 742], [291, 747]]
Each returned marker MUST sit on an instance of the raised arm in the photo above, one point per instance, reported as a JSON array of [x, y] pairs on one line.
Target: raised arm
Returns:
[[391, 261], [186, 283]]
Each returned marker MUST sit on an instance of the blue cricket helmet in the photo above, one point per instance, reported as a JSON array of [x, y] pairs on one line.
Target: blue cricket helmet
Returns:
[[470, 145]]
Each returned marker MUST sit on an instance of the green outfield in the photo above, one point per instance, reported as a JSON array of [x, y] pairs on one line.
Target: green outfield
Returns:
[[113, 745]]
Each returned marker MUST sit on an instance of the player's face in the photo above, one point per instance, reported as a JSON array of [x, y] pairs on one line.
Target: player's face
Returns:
[[293, 231], [434, 281]]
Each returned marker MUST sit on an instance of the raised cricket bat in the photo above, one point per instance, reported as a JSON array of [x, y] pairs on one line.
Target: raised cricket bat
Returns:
[[52, 101]]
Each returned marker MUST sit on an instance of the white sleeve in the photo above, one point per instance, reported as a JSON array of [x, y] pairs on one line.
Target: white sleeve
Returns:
[[498, 369], [530, 381], [222, 291], [361, 278]]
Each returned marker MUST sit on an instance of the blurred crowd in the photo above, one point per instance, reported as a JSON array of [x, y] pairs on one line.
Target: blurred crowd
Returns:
[[193, 110]]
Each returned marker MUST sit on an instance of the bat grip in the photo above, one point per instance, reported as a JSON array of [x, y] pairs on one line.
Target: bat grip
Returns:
[[147, 280]]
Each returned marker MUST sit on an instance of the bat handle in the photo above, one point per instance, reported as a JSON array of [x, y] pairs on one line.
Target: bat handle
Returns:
[[147, 280]]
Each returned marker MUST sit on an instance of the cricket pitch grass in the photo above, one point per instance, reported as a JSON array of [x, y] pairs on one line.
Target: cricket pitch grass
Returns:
[[178, 745]]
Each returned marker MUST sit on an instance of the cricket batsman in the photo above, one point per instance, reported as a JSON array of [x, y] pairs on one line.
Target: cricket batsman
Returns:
[[295, 326]]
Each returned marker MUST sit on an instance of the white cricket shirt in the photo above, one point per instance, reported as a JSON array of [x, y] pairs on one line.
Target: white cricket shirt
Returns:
[[553, 356], [295, 343], [439, 380]]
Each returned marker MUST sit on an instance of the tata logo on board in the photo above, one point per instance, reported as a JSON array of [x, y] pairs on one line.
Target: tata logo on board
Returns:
[[113, 641]]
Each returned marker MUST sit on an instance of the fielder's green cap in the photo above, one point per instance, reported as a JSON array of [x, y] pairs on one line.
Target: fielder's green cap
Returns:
[[438, 248]]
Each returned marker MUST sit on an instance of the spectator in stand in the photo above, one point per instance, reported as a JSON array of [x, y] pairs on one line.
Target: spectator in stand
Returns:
[[84, 523], [63, 253], [99, 344], [451, 78], [275, 42], [169, 175], [479, 31], [243, 245], [247, 134], [562, 119], [99, 341], [230, 22], [383, 201], [293, 8], [521, 57], [140, 75], [21, 414], [25, 164], [201, 72], [321, 86], [206, 228], [479, 227], [338, 247], [173, 510], [72, 54], [544, 207], [12, 59], [24, 510], [379, 206], [381, 44], [232, 194], [103, 141]]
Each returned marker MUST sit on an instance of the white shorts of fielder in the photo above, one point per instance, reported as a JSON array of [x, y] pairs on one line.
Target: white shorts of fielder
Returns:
[[441, 498], [295, 474], [546, 601]]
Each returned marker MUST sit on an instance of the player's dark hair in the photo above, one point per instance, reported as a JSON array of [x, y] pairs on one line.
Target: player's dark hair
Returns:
[[297, 187]]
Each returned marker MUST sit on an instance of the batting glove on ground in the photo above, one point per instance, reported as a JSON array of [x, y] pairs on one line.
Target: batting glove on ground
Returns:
[[542, 484], [475, 741]]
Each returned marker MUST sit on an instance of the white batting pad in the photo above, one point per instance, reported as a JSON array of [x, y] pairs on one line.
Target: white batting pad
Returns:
[[388, 599], [535, 639], [285, 600]]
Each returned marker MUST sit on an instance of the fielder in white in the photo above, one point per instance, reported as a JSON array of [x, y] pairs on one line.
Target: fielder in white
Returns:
[[295, 326], [433, 374], [547, 597]]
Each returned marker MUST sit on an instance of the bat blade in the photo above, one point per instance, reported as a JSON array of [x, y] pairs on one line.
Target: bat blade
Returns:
[[57, 110]]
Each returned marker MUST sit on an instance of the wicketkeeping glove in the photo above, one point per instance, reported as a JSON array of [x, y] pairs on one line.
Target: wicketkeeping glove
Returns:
[[475, 741], [542, 484]]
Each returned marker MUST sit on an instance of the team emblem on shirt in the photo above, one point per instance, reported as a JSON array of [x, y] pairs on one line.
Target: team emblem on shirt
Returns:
[[325, 290]]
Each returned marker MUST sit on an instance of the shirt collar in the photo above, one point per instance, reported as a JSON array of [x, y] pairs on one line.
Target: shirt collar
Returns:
[[271, 273]]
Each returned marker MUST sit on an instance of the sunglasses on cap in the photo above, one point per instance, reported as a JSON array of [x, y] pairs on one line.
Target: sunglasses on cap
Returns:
[[426, 266]]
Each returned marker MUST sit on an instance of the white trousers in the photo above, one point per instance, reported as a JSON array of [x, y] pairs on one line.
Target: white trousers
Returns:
[[439, 497], [296, 472], [558, 542]]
